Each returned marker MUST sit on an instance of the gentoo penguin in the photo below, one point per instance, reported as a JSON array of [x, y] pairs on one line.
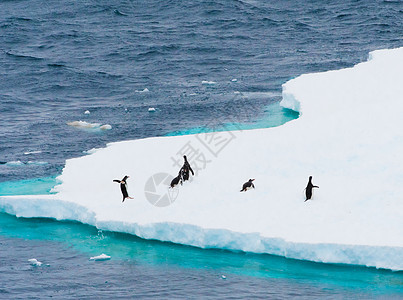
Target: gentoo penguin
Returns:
[[247, 185], [184, 171], [176, 180], [308, 189], [123, 187]]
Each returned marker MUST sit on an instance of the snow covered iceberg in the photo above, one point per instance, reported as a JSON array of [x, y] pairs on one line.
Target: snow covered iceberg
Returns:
[[348, 137]]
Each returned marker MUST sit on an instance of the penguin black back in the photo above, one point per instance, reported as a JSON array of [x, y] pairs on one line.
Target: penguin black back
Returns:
[[248, 185], [308, 189], [123, 187], [184, 171], [176, 180]]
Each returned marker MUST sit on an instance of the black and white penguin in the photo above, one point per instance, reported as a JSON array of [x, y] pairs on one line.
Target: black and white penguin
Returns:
[[248, 185], [176, 180], [184, 171], [123, 187], [308, 189]]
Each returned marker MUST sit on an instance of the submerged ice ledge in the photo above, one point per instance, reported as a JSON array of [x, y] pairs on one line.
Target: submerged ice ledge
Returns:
[[49, 206], [348, 137]]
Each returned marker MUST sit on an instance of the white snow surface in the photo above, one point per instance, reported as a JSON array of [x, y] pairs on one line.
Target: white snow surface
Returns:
[[348, 137]]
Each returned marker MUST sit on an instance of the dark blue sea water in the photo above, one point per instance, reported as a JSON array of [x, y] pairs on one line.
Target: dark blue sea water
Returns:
[[119, 58]]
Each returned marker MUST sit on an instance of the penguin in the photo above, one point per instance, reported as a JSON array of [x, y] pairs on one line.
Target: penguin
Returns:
[[184, 171], [308, 189], [176, 180], [123, 187], [248, 185]]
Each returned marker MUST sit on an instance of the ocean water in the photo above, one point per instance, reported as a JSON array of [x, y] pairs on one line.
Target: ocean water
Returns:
[[200, 64]]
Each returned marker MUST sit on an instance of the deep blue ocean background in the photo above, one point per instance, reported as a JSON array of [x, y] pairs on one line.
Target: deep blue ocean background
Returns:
[[119, 58]]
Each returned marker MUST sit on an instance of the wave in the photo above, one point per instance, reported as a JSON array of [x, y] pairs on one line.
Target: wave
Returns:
[[32, 152], [18, 163], [355, 217], [14, 163], [207, 82], [56, 65], [119, 13], [145, 90], [24, 56]]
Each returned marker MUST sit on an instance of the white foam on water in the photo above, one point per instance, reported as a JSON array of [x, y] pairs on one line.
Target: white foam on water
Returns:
[[32, 152], [100, 257], [34, 262], [206, 82]]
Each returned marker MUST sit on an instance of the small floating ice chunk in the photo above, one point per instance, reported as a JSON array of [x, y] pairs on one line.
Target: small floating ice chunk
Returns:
[[100, 257], [86, 125], [106, 127], [143, 91], [234, 80], [223, 277], [208, 82], [87, 112], [151, 109], [35, 262], [83, 124], [237, 92]]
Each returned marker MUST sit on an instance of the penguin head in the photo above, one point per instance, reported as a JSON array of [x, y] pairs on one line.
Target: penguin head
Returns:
[[250, 180], [310, 178], [124, 178], [185, 158]]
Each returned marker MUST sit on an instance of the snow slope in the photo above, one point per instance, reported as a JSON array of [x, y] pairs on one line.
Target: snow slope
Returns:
[[348, 137]]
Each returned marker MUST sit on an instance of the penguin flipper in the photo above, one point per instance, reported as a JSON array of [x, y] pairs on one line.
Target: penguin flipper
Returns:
[[116, 180]]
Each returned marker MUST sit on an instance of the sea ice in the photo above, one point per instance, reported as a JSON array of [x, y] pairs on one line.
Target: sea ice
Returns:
[[348, 137]]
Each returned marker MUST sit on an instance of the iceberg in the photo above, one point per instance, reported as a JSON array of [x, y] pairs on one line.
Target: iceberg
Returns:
[[348, 137]]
